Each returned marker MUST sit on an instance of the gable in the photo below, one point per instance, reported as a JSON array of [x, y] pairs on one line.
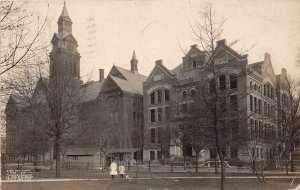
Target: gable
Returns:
[[55, 38], [194, 52], [109, 85], [70, 38], [267, 67], [115, 72], [159, 72]]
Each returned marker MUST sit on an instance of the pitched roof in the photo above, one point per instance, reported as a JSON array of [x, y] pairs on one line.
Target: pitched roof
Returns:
[[64, 12], [133, 82], [257, 66], [89, 91], [81, 151], [128, 86]]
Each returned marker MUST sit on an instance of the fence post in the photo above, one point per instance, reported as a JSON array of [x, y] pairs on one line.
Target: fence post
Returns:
[[149, 166]]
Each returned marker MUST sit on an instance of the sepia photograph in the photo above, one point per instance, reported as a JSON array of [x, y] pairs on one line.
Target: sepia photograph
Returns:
[[150, 94]]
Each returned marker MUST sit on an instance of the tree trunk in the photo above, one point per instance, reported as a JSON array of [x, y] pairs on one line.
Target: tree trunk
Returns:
[[197, 160], [286, 166], [292, 165], [57, 153], [216, 164]]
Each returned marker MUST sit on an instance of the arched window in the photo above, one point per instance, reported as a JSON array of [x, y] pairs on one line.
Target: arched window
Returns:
[[255, 87], [184, 94], [251, 86], [193, 92]]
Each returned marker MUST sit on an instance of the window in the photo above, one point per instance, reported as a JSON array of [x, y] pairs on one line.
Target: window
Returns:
[[152, 155], [152, 98], [233, 81], [193, 93], [260, 130], [159, 116], [159, 96], [167, 113], [259, 106], [184, 107], [152, 135], [255, 104], [265, 89], [252, 128], [194, 64], [265, 109], [212, 86], [251, 103], [222, 82], [114, 119], [184, 94], [256, 129], [255, 87], [167, 95], [233, 102], [75, 158], [158, 136], [152, 115], [251, 85]]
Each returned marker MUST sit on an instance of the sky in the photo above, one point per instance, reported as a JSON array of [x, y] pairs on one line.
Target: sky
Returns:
[[158, 29]]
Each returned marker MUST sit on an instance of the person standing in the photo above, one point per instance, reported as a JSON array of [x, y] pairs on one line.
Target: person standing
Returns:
[[122, 170], [113, 169]]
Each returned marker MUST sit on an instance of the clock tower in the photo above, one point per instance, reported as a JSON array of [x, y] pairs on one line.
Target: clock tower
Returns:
[[64, 57]]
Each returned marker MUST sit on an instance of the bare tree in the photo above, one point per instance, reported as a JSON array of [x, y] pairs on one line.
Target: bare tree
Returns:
[[21, 35], [288, 118], [217, 104]]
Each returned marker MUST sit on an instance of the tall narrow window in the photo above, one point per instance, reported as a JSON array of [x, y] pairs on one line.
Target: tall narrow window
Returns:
[[222, 82], [255, 104], [212, 86], [194, 64], [251, 103], [167, 113], [184, 94], [152, 137], [152, 115], [259, 106], [167, 95], [152, 97], [233, 81], [159, 95], [159, 114], [184, 107], [233, 102], [193, 93]]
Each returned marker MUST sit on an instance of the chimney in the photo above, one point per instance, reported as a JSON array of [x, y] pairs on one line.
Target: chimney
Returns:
[[101, 75], [267, 56], [283, 72], [159, 62], [221, 42]]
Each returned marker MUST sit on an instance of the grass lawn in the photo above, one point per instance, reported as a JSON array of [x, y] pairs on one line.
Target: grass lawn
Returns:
[[153, 184]]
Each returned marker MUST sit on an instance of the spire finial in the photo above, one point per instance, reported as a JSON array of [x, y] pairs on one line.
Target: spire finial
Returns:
[[133, 55], [64, 12], [134, 63]]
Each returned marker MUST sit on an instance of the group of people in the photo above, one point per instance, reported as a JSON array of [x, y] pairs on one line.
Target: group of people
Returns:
[[115, 170]]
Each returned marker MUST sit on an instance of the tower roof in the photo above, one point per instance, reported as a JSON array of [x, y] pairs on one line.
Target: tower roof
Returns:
[[133, 56], [64, 12]]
